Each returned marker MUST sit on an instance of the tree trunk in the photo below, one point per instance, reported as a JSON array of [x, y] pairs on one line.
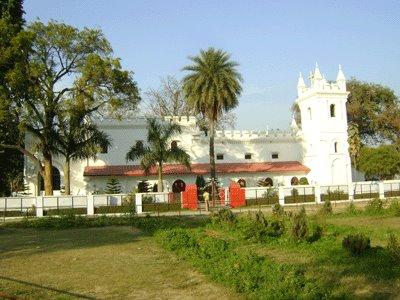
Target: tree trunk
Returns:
[[212, 160], [48, 174], [67, 176], [160, 187]]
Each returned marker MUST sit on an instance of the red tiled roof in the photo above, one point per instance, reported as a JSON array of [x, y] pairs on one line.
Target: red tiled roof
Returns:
[[199, 169]]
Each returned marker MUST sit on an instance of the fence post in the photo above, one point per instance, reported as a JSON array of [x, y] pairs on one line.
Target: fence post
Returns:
[[350, 188], [281, 194], [138, 203], [226, 197], [381, 190], [317, 191], [90, 205], [39, 206]]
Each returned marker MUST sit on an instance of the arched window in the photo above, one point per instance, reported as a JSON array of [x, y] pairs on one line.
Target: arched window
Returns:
[[139, 144], [309, 113], [335, 147], [174, 144], [56, 180], [332, 110], [242, 182], [178, 186], [294, 181], [269, 181]]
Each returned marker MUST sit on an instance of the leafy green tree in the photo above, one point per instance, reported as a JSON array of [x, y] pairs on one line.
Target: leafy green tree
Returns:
[[11, 59], [65, 63], [382, 162], [143, 186], [159, 150], [355, 144], [374, 109], [212, 87], [113, 186], [78, 138]]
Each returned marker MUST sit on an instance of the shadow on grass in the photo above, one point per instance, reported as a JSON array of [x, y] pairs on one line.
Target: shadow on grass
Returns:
[[375, 267], [42, 287], [19, 241]]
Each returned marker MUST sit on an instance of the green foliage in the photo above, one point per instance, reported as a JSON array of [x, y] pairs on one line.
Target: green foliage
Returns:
[[351, 209], [393, 248], [223, 217], [256, 227], [394, 208], [374, 206], [159, 150], [326, 208], [299, 229], [278, 210], [303, 181], [143, 186], [356, 244], [200, 183], [113, 186], [382, 162]]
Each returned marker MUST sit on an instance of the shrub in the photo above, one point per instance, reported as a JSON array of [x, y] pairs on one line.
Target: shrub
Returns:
[[351, 209], [256, 227], [299, 225], [277, 210], [375, 206], [315, 232], [223, 217], [394, 208], [147, 199], [356, 244], [393, 248], [326, 208], [303, 181], [176, 239]]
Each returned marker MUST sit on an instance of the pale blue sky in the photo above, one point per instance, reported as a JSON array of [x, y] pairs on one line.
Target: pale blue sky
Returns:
[[272, 40]]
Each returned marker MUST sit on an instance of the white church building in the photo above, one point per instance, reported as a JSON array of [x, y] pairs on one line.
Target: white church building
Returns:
[[315, 147]]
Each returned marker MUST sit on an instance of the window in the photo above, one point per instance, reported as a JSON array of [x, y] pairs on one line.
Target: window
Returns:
[[242, 182], [294, 181], [335, 147], [332, 110], [275, 155], [174, 144], [247, 156], [220, 156], [139, 144]]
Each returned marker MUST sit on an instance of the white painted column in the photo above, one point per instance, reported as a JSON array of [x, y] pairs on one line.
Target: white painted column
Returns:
[[39, 206], [226, 196], [381, 190], [281, 194], [138, 203], [90, 205], [317, 192], [350, 187]]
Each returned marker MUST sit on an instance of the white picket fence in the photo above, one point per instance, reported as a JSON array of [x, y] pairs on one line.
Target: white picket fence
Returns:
[[285, 195]]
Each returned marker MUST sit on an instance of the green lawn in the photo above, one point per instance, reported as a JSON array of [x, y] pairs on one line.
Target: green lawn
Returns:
[[110, 262]]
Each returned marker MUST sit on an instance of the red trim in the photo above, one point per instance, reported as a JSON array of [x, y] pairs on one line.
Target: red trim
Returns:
[[199, 169]]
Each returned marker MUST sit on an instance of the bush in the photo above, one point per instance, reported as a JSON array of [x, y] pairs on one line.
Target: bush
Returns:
[[375, 206], [394, 208], [356, 244], [351, 209], [326, 208], [299, 225], [223, 217], [256, 227], [393, 248], [303, 181], [315, 232], [278, 210]]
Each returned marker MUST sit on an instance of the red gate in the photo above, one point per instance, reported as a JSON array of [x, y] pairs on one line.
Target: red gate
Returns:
[[189, 197], [236, 195]]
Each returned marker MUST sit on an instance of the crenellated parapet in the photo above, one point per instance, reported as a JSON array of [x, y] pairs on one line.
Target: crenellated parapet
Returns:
[[182, 120]]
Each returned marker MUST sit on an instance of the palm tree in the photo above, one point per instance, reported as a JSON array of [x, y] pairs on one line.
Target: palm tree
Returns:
[[78, 138], [211, 88], [158, 150]]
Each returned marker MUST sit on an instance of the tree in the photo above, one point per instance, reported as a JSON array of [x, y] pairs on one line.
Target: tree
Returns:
[[212, 87], [143, 186], [168, 100], [374, 109], [354, 141], [113, 186], [382, 162], [65, 63], [159, 151], [78, 138], [11, 60]]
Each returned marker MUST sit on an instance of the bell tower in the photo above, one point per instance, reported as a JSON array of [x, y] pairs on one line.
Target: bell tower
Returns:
[[323, 113]]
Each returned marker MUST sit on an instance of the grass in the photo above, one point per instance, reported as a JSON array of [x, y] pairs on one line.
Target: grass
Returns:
[[88, 263]]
